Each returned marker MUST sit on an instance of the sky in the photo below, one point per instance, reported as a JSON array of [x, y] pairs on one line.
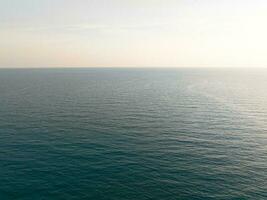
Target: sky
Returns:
[[133, 33]]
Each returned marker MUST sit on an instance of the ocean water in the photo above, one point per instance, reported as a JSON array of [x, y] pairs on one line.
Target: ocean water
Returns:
[[128, 134]]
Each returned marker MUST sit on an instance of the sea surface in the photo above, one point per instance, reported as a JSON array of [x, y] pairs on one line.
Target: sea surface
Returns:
[[133, 134]]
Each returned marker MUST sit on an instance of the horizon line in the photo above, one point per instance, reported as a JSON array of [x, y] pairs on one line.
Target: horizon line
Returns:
[[141, 67]]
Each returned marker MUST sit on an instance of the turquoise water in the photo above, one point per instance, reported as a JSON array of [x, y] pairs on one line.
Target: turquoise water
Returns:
[[133, 134]]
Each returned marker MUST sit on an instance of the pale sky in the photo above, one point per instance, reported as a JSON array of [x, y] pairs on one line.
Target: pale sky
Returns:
[[133, 33]]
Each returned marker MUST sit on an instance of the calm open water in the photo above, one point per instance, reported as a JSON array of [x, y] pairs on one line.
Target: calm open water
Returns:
[[133, 134]]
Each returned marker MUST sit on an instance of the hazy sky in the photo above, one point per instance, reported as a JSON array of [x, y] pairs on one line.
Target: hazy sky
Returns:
[[171, 33]]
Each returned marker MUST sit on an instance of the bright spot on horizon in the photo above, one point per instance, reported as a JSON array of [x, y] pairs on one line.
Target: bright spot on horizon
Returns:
[[133, 33]]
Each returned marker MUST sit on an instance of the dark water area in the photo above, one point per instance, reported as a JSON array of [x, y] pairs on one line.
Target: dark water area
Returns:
[[126, 134]]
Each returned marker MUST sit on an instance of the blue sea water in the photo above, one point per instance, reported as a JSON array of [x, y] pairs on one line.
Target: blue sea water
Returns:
[[126, 134]]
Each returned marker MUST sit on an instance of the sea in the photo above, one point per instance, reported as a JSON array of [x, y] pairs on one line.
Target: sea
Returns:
[[133, 134]]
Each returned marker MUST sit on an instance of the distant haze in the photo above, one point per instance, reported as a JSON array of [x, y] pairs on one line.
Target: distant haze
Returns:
[[133, 33]]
